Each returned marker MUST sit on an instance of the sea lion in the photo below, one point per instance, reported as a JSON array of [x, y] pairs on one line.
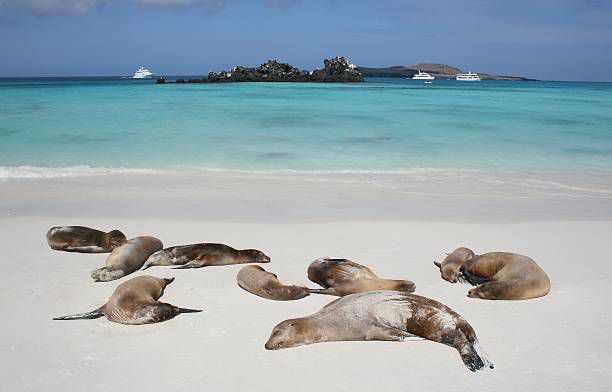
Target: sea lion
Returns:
[[343, 277], [497, 275], [84, 239], [203, 255], [258, 281], [127, 258], [135, 302], [382, 315]]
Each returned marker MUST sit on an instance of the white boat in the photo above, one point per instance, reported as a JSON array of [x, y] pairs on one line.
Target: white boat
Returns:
[[142, 73], [468, 77], [423, 76]]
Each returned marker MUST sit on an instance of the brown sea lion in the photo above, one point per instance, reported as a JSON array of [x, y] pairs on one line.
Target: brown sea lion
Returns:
[[382, 315], [127, 258], [258, 281], [203, 255], [497, 275], [84, 239], [135, 302], [343, 277]]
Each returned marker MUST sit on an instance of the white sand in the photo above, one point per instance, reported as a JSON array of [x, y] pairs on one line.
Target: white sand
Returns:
[[559, 342]]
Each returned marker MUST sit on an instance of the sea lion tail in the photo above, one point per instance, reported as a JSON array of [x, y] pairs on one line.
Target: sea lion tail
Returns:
[[94, 314]]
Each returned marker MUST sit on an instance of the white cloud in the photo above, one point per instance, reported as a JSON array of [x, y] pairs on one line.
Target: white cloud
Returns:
[[47, 7], [44, 7], [179, 3]]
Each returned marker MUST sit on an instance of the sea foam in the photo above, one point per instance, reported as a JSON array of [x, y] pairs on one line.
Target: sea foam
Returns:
[[14, 172]]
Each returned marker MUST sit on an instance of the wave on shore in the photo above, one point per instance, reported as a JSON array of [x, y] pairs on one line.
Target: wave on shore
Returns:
[[15, 172]]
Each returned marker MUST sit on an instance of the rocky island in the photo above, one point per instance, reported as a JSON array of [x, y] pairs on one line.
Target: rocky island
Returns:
[[336, 70]]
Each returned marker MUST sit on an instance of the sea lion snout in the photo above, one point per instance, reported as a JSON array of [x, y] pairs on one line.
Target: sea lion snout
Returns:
[[450, 274], [256, 256], [271, 346], [453, 277]]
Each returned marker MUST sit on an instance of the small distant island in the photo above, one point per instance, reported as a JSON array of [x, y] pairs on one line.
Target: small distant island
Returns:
[[440, 71], [336, 70]]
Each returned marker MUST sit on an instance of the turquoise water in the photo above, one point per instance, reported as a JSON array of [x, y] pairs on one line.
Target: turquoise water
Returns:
[[383, 125]]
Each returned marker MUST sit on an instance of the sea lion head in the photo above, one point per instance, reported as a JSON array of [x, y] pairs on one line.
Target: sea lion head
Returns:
[[116, 238], [451, 266], [291, 333], [254, 256]]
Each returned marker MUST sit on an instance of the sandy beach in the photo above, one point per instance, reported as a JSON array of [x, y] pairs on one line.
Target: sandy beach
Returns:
[[559, 342]]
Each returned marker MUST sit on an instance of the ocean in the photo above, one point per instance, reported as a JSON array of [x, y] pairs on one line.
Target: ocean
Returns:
[[62, 126]]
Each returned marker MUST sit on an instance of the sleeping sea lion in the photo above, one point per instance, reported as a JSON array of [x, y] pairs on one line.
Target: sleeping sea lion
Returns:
[[383, 315], [84, 239], [135, 302], [127, 258], [343, 277], [497, 275], [258, 281], [203, 255]]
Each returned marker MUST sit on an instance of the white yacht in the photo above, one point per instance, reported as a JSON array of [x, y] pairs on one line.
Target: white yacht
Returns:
[[468, 77], [142, 73], [423, 76]]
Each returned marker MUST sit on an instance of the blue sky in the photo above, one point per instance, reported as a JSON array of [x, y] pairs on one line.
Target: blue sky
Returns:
[[544, 39]]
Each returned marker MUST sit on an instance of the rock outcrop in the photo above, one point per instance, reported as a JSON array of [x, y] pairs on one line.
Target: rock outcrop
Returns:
[[336, 70]]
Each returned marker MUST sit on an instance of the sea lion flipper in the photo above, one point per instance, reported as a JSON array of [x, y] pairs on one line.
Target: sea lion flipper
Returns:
[[437, 264], [327, 291], [466, 277], [94, 314], [187, 310], [347, 271], [191, 264]]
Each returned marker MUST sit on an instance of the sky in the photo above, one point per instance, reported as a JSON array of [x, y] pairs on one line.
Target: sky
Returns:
[[542, 39]]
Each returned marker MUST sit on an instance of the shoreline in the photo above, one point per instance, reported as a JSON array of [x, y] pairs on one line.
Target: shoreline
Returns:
[[298, 197]]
